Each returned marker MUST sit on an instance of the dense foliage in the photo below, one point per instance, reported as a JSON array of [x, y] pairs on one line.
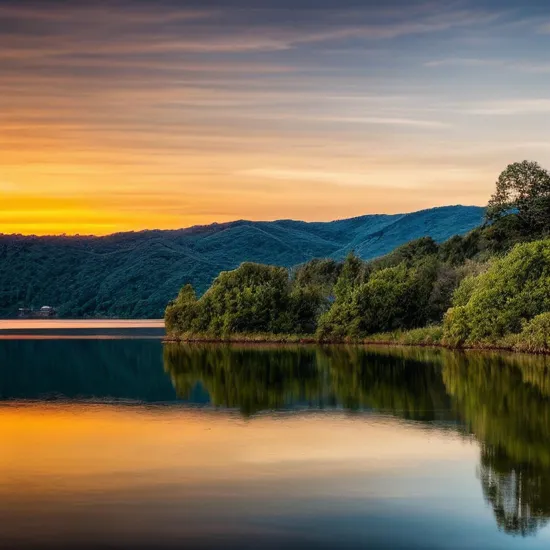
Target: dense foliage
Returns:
[[133, 275], [523, 187], [487, 287], [252, 298], [386, 299], [417, 285], [513, 291]]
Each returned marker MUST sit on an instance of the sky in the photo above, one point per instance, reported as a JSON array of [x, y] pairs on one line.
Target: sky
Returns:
[[119, 116]]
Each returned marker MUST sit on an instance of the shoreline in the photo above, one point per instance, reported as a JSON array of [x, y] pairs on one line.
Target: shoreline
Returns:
[[263, 340]]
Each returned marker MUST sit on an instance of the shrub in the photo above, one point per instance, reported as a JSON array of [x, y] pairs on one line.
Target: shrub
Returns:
[[535, 336], [456, 329], [251, 299], [391, 298], [515, 289], [465, 289], [425, 336], [181, 313]]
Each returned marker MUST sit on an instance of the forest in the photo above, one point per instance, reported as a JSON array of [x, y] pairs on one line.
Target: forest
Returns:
[[134, 274], [487, 288]]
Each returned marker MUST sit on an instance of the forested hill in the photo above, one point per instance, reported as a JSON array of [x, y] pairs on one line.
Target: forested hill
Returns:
[[134, 275]]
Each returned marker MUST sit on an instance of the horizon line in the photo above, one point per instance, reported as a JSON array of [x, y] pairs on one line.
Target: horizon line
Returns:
[[197, 226]]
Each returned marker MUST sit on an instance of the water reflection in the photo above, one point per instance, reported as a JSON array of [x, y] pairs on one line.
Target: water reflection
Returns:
[[429, 411], [505, 402], [83, 369], [502, 400], [407, 384]]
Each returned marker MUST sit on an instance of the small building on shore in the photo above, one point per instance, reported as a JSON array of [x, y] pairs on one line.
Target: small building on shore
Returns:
[[45, 312]]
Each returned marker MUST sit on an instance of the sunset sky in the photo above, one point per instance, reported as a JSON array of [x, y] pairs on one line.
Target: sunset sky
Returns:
[[121, 116]]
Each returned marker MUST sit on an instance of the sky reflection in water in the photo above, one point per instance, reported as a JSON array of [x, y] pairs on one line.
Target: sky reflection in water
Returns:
[[301, 447]]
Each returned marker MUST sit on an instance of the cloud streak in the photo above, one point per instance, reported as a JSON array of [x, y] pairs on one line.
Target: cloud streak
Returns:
[[264, 108], [125, 30], [511, 107]]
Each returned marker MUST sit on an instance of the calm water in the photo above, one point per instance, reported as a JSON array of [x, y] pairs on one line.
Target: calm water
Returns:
[[121, 443]]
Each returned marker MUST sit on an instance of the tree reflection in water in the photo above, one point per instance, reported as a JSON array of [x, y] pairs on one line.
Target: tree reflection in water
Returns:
[[253, 379], [502, 400]]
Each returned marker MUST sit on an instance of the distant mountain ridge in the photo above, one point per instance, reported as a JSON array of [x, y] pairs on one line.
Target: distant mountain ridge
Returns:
[[135, 274]]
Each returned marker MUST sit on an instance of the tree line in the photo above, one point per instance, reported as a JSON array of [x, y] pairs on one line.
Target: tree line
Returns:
[[489, 286]]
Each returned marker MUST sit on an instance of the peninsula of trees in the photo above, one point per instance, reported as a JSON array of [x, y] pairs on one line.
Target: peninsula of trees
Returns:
[[487, 288]]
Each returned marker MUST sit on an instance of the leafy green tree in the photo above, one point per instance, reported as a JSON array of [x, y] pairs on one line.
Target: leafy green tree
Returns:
[[391, 298], [321, 273], [251, 298], [353, 273], [383, 302], [522, 188], [305, 305], [411, 253], [181, 313], [312, 293]]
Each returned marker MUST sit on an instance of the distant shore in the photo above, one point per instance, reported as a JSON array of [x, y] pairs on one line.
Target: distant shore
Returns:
[[16, 324], [81, 328]]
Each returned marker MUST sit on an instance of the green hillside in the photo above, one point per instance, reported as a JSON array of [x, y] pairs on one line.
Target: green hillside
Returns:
[[134, 275], [489, 287]]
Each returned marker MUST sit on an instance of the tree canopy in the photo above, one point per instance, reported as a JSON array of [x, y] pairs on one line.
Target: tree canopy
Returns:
[[522, 188], [253, 298], [513, 291]]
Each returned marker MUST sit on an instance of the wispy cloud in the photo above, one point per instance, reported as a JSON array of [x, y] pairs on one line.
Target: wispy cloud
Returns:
[[125, 30], [464, 62], [386, 121], [525, 65], [511, 107], [397, 176], [130, 12]]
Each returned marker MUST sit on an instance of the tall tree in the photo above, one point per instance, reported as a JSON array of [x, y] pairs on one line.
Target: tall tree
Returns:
[[524, 189]]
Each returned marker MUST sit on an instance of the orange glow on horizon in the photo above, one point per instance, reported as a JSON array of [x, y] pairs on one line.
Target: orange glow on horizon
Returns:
[[136, 117]]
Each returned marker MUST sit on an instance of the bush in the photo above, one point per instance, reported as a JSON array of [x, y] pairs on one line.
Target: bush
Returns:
[[465, 289], [388, 299], [456, 329], [181, 314], [535, 336], [251, 299], [425, 336], [515, 289]]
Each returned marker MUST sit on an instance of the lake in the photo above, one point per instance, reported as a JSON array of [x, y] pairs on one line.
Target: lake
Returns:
[[112, 440]]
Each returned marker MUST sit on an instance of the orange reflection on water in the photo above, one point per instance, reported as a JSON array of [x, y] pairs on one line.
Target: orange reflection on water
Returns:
[[83, 446], [128, 475]]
